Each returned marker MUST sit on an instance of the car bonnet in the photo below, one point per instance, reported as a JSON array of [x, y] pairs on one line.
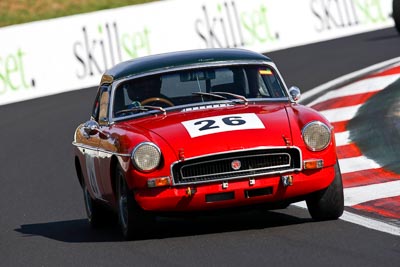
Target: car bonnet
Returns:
[[215, 130]]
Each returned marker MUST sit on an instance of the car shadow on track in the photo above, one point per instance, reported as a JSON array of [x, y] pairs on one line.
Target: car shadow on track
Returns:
[[79, 231]]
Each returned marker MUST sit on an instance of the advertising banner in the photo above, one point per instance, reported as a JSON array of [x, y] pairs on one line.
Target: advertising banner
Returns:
[[70, 53]]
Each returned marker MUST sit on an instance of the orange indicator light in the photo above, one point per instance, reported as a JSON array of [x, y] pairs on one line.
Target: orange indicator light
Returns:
[[313, 164], [158, 182]]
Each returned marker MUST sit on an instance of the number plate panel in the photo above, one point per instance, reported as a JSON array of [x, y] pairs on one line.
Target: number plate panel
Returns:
[[225, 123]]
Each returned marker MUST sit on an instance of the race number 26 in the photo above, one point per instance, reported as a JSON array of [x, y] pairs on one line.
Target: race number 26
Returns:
[[213, 124], [218, 124]]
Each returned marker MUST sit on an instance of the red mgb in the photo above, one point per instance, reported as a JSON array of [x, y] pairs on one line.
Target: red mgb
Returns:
[[202, 130]]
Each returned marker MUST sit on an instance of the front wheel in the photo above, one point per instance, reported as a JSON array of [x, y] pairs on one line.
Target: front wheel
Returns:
[[328, 204], [133, 221], [96, 213]]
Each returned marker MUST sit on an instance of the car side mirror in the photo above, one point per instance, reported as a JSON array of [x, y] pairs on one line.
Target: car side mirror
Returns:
[[91, 128], [294, 93]]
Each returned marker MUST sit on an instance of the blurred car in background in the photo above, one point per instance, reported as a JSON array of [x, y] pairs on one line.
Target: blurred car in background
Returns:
[[199, 131]]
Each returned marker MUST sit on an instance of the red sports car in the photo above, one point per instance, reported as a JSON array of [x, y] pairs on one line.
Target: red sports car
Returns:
[[202, 130]]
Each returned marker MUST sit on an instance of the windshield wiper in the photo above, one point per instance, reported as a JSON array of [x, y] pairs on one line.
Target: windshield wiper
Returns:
[[141, 109], [209, 94], [219, 95], [240, 97]]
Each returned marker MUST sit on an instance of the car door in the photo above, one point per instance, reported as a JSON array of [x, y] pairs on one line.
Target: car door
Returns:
[[106, 145], [93, 161]]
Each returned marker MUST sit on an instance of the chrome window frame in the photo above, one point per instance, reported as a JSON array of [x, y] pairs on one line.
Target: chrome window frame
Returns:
[[112, 119]]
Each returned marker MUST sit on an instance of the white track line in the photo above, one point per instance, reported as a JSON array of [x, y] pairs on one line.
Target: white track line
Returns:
[[371, 223], [357, 195], [355, 164], [348, 77], [359, 87], [342, 138], [361, 194], [340, 114], [363, 221]]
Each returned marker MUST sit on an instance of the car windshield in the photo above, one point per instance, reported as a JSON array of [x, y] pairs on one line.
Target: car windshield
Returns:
[[185, 87]]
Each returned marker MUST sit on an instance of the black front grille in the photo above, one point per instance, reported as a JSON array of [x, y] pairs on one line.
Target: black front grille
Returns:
[[239, 164]]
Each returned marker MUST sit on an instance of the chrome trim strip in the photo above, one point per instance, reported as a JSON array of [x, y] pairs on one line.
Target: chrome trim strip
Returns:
[[241, 150], [112, 119], [239, 177], [233, 178], [233, 158], [99, 150]]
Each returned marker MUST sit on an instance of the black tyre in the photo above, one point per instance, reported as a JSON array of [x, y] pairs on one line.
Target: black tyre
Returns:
[[96, 213], [396, 14], [134, 222], [328, 204]]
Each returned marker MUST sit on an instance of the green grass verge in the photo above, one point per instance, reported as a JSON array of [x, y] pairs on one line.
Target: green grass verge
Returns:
[[22, 11]]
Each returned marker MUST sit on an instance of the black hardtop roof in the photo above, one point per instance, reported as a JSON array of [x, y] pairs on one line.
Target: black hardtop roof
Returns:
[[188, 58]]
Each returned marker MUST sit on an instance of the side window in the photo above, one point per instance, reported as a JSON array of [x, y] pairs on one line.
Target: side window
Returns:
[[103, 109], [270, 85], [100, 107]]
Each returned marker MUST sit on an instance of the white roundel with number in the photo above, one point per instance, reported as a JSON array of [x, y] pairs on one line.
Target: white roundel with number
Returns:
[[225, 123]]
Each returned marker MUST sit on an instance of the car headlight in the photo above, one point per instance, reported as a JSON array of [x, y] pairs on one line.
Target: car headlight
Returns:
[[146, 156], [316, 135]]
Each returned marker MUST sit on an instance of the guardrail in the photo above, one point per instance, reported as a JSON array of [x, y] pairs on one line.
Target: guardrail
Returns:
[[70, 53]]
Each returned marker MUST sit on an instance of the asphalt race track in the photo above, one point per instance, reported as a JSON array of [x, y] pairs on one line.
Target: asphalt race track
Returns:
[[43, 222]]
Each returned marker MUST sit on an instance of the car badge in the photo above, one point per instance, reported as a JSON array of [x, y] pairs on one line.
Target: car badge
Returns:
[[236, 164]]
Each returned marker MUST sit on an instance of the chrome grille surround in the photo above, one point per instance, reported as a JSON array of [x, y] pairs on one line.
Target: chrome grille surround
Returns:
[[254, 162]]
